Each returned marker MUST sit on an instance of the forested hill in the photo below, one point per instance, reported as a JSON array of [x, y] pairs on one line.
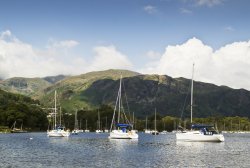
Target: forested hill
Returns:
[[22, 109], [144, 94]]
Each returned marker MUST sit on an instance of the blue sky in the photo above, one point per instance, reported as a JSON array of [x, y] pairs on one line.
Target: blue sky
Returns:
[[137, 32], [122, 21]]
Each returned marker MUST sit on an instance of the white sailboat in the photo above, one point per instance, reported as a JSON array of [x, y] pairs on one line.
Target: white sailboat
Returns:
[[155, 132], [86, 127], [98, 124], [106, 130], [120, 129], [75, 131], [147, 131], [80, 127], [198, 132], [164, 131], [58, 130]]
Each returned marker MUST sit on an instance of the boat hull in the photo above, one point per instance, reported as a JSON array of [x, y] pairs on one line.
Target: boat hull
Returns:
[[75, 132], [147, 131], [98, 131], [58, 133], [199, 137], [118, 134]]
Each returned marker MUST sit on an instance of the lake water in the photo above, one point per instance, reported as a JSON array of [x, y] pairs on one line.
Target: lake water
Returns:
[[96, 150]]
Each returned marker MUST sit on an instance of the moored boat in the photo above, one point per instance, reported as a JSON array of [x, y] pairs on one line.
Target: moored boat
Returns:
[[58, 130], [121, 128], [199, 133], [17, 130], [75, 131]]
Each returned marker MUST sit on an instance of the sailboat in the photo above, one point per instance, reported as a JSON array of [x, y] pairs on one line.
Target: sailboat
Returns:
[[57, 130], [199, 132], [75, 131], [80, 127], [147, 131], [106, 130], [133, 125], [98, 124], [155, 132], [164, 131], [17, 130], [86, 127], [120, 125]]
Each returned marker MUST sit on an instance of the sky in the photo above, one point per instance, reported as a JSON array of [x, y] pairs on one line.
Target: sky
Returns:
[[71, 37]]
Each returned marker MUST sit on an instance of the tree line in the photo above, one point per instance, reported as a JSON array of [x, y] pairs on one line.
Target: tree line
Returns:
[[167, 123]]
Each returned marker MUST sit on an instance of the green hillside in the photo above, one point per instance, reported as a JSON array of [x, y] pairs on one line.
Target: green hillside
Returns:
[[144, 94], [70, 89], [147, 92]]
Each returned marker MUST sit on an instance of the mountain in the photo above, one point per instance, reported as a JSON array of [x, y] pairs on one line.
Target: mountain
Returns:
[[144, 93], [25, 86], [71, 89], [32, 87], [54, 79]]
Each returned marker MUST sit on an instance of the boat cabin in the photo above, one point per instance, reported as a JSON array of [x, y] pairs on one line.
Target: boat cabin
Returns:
[[205, 129]]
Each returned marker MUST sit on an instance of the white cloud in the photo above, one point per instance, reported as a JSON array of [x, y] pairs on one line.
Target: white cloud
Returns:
[[8, 36], [150, 9], [62, 44], [4, 34], [185, 11], [208, 3], [229, 28], [107, 57], [153, 54], [229, 65], [18, 58]]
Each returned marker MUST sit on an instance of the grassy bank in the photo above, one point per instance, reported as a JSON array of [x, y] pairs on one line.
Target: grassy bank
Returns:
[[4, 129]]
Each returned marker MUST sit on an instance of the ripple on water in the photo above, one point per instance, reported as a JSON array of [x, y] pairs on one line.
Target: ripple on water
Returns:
[[96, 150]]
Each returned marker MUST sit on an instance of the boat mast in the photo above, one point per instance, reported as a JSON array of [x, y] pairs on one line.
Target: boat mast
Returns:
[[146, 122], [192, 85], [118, 100], [113, 118], [99, 122], [60, 116], [14, 125], [119, 103], [86, 124], [106, 123], [76, 121], [55, 109], [22, 126], [155, 121], [133, 120]]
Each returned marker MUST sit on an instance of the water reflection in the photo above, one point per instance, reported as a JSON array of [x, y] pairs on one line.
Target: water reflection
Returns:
[[198, 145], [58, 140], [198, 154]]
